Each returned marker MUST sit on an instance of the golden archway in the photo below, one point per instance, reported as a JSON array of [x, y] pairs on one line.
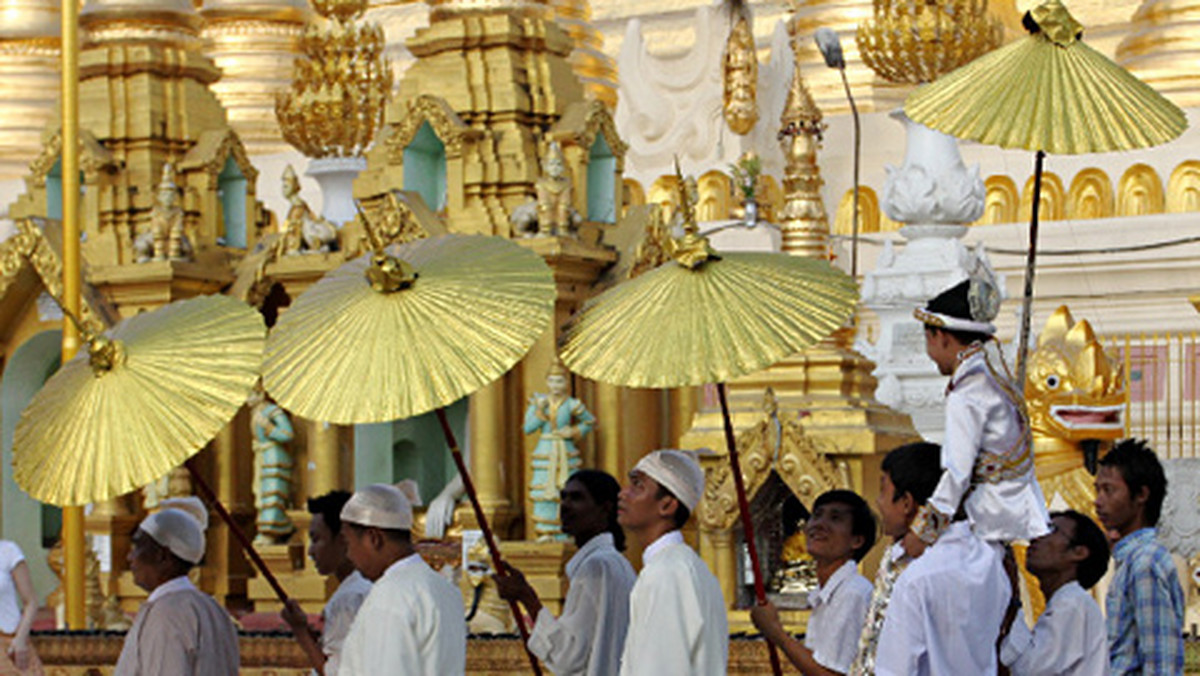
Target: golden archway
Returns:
[[1141, 192], [868, 212], [1091, 195], [1000, 205], [635, 195], [1051, 207], [716, 196], [1183, 188], [664, 192]]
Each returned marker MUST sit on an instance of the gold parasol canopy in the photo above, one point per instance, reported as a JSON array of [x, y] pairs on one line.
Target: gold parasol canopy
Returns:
[[386, 337], [1048, 91], [705, 317], [146, 395]]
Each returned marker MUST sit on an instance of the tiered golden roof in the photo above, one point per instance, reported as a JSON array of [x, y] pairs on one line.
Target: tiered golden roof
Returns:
[[340, 87], [916, 41]]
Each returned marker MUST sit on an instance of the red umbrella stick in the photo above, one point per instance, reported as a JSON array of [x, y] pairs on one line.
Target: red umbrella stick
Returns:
[[735, 466], [206, 492], [469, 486]]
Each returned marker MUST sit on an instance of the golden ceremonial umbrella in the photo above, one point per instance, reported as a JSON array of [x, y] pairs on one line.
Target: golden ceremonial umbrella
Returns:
[[1051, 93], [386, 337], [397, 333], [146, 396], [705, 317]]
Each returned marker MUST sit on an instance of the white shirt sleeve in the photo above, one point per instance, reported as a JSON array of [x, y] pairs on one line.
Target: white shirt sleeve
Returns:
[[836, 644], [963, 438]]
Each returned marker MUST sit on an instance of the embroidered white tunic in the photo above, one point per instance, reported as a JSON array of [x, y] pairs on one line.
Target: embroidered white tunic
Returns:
[[339, 615], [946, 609], [677, 622], [411, 623], [986, 459], [590, 635], [181, 631], [1069, 639], [838, 610]]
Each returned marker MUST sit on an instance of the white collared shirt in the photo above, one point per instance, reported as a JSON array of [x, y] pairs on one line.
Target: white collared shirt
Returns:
[[590, 635], [946, 609], [338, 615], [838, 608], [171, 586], [1069, 638], [677, 616]]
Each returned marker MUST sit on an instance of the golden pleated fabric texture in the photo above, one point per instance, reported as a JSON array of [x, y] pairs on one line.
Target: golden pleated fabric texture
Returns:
[[345, 353], [189, 366], [1039, 94], [674, 327]]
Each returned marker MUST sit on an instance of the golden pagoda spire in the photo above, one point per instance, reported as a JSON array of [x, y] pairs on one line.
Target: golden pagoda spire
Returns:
[[595, 69], [804, 224], [1160, 48], [254, 43], [341, 85], [29, 45], [915, 42]]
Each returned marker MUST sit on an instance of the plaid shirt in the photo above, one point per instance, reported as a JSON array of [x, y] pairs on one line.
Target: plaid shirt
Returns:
[[1145, 609]]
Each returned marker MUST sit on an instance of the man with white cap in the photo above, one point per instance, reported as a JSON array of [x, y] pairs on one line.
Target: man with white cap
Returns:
[[412, 622], [179, 630], [677, 622]]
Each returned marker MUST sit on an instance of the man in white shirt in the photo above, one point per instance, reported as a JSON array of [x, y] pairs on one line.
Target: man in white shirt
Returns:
[[589, 636], [677, 616], [179, 630], [412, 621], [1070, 638], [839, 533], [327, 548], [946, 609]]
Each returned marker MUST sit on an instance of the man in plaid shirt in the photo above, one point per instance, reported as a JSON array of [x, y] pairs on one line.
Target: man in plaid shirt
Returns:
[[1145, 601]]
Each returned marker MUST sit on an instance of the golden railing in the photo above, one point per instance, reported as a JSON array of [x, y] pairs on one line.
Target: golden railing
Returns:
[[1162, 376]]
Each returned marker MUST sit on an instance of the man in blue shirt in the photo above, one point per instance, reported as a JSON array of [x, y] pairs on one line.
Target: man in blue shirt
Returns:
[[1145, 601]]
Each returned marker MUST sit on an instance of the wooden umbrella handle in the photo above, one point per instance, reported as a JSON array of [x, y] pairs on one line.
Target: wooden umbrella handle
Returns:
[[305, 639], [735, 466], [493, 549]]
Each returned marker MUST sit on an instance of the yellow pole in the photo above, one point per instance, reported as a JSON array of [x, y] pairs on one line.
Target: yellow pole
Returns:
[[72, 528]]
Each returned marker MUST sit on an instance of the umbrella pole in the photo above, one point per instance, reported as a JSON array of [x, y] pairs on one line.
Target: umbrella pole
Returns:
[[305, 639], [760, 591], [1030, 261], [494, 550]]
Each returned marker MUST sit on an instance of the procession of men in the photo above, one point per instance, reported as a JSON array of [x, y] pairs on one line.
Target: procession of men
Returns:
[[946, 598]]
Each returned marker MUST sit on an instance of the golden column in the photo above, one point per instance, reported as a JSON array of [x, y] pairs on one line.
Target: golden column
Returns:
[[74, 546]]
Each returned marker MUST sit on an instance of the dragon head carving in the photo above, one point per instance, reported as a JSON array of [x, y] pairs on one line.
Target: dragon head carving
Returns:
[[1075, 391]]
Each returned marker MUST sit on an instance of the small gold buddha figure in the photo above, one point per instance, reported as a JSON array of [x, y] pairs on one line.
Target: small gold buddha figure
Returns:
[[798, 575], [554, 194], [741, 78], [303, 230]]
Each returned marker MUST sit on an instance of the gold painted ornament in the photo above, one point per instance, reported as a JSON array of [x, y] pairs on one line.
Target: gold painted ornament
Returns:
[[143, 398], [397, 334], [740, 74]]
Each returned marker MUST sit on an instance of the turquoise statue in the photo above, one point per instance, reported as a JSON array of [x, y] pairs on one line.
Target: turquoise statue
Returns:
[[272, 469], [562, 421]]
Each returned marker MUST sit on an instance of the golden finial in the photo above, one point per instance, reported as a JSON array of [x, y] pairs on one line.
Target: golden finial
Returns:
[[800, 113], [557, 368], [1053, 20], [919, 41], [340, 86], [693, 249]]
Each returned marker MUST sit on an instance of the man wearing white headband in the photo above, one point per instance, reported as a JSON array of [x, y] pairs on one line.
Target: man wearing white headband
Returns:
[[179, 629], [987, 457], [677, 622], [412, 622]]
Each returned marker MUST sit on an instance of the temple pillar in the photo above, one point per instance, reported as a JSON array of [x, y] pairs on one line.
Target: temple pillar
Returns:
[[489, 434]]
